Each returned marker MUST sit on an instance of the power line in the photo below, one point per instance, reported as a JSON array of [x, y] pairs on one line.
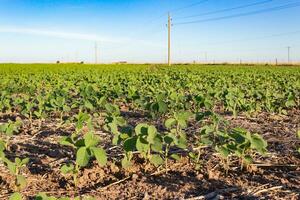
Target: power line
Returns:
[[151, 21], [255, 38], [227, 9], [282, 7]]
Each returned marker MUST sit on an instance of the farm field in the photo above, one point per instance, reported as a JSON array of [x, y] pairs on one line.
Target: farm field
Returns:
[[149, 131]]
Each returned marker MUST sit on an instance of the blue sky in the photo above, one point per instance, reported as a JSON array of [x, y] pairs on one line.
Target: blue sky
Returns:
[[135, 30]]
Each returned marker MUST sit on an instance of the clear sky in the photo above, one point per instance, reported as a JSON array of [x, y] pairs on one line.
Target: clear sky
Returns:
[[135, 30]]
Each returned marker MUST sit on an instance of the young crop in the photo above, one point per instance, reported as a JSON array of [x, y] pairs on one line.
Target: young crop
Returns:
[[148, 140], [40, 112], [204, 139], [176, 137], [16, 196], [176, 126], [5, 102], [82, 120], [43, 196], [7, 130], [15, 170], [59, 105], [240, 143], [113, 119], [86, 148]]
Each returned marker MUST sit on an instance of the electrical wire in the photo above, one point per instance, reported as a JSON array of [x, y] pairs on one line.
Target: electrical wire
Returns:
[[227, 9], [254, 38], [282, 7]]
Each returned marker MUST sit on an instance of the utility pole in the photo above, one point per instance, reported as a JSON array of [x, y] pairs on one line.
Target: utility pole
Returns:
[[289, 48], [169, 39], [96, 53]]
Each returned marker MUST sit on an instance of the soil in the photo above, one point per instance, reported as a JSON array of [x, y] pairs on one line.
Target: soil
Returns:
[[275, 176]]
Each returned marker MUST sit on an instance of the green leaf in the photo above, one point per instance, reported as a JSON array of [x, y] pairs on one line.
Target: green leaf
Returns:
[[18, 161], [79, 143], [162, 107], [24, 161], [100, 155], [91, 140], [258, 143], [43, 196], [182, 142], [141, 129], [126, 162], [66, 169], [157, 146], [298, 134], [15, 196], [88, 105], [223, 151], [152, 132], [130, 144], [156, 160], [169, 123], [82, 157], [142, 145], [175, 156], [168, 139], [120, 121], [116, 139], [66, 141], [192, 155], [248, 159], [2, 155], [21, 181], [11, 166]]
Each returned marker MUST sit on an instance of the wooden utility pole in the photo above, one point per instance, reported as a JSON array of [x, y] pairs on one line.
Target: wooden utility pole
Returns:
[[96, 53], [289, 48], [169, 39]]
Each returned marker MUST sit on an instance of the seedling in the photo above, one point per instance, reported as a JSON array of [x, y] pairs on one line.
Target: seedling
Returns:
[[40, 112], [241, 143], [59, 104], [86, 148], [16, 196], [83, 120], [113, 120], [204, 138], [7, 130], [15, 170], [43, 196], [146, 141], [176, 126]]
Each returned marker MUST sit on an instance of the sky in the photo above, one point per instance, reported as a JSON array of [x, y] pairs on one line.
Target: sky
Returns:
[[135, 30]]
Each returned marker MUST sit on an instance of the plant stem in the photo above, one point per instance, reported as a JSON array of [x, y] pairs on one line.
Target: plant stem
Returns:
[[166, 158]]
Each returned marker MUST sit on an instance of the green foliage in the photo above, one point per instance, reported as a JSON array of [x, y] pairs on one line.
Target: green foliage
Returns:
[[15, 170], [10, 128], [86, 148], [242, 144], [7, 130], [16, 196], [43, 196], [180, 98]]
